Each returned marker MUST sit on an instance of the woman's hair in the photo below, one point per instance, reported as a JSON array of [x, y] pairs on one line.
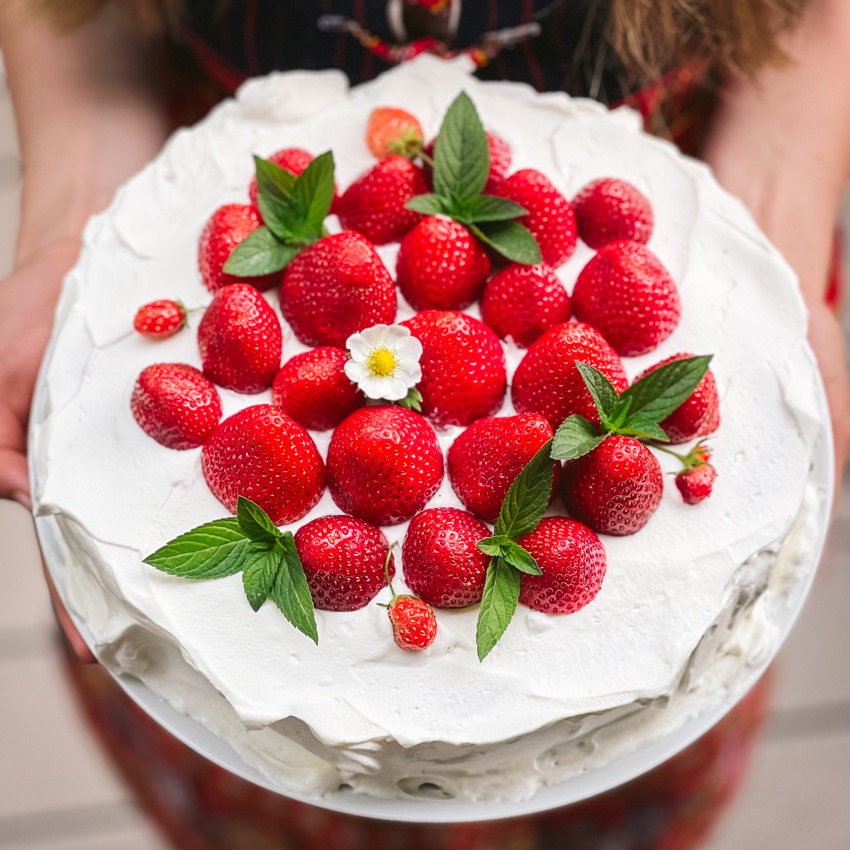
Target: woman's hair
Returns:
[[647, 35]]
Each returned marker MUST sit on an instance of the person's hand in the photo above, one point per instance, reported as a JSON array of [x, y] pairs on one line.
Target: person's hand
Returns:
[[27, 302]]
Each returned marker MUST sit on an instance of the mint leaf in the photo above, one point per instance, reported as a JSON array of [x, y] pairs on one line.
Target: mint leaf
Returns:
[[643, 428], [260, 571], [495, 545], [498, 604], [429, 205], [272, 180], [528, 496], [491, 208], [255, 522], [313, 195], [260, 253], [511, 240], [213, 550], [461, 153], [603, 392], [521, 559], [291, 592], [576, 436], [658, 394]]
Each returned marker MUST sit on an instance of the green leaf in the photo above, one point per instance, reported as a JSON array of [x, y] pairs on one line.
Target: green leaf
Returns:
[[498, 604], [255, 522], [412, 401], [603, 392], [576, 436], [313, 195], [528, 496], [520, 559], [261, 252], [491, 208], [461, 153], [658, 394], [430, 205], [643, 428], [493, 546], [272, 180], [213, 550], [511, 240], [260, 570], [291, 593]]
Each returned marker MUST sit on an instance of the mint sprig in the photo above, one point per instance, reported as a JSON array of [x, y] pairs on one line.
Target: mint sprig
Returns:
[[461, 168], [251, 543], [636, 412], [293, 210], [521, 512]]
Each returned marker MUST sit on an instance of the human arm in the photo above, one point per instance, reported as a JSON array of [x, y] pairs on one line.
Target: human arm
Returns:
[[781, 143], [88, 115]]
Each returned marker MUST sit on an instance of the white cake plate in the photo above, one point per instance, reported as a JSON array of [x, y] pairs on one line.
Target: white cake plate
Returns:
[[420, 810]]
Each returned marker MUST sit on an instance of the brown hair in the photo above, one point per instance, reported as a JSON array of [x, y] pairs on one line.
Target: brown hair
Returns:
[[647, 35]]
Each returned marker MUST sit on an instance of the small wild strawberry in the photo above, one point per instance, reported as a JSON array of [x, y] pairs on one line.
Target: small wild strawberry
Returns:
[[695, 480], [413, 620], [390, 130], [160, 319]]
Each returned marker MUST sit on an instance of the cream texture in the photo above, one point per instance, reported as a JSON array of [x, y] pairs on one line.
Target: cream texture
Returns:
[[355, 710]]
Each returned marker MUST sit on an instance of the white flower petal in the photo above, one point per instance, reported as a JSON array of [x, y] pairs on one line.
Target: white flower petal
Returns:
[[374, 388], [355, 371], [358, 347], [394, 389], [410, 373], [377, 336], [409, 348]]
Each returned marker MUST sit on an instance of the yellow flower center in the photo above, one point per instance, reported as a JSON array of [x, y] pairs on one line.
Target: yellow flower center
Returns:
[[381, 363]]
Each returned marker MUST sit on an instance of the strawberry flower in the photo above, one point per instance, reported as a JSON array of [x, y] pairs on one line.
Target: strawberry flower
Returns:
[[384, 361]]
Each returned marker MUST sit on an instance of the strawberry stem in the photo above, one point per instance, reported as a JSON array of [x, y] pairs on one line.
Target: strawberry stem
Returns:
[[387, 571]]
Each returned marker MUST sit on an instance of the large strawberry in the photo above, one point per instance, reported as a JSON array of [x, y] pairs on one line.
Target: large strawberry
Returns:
[[548, 382], [699, 415], [572, 560], [228, 227], [313, 389], [609, 210], [463, 367], [550, 216], [343, 559], [336, 287], [441, 559], [628, 296], [441, 265], [176, 405], [375, 204], [262, 454], [523, 302], [240, 340], [615, 488], [384, 464], [486, 458]]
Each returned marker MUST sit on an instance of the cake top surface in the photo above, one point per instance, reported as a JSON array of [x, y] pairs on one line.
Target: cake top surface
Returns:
[[123, 495]]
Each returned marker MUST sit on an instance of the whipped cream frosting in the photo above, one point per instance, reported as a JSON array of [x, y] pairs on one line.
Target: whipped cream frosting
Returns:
[[355, 711]]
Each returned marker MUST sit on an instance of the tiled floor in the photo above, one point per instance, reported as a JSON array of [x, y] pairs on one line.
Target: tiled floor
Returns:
[[58, 792]]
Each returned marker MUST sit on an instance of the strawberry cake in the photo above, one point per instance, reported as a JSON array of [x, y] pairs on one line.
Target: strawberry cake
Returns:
[[690, 605]]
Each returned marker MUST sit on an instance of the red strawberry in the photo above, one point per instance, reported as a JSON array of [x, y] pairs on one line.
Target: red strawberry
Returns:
[[262, 454], [463, 367], [699, 415], [293, 160], [628, 296], [176, 405], [500, 161], [441, 265], [343, 560], [374, 204], [610, 210], [548, 382], [226, 228], [572, 559], [240, 340], [441, 559], [523, 302], [486, 458], [390, 130], [384, 464], [413, 621], [550, 217], [336, 287], [160, 319], [615, 488], [314, 390], [696, 483]]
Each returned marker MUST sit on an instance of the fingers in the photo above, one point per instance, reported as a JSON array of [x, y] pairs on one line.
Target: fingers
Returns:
[[14, 478]]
